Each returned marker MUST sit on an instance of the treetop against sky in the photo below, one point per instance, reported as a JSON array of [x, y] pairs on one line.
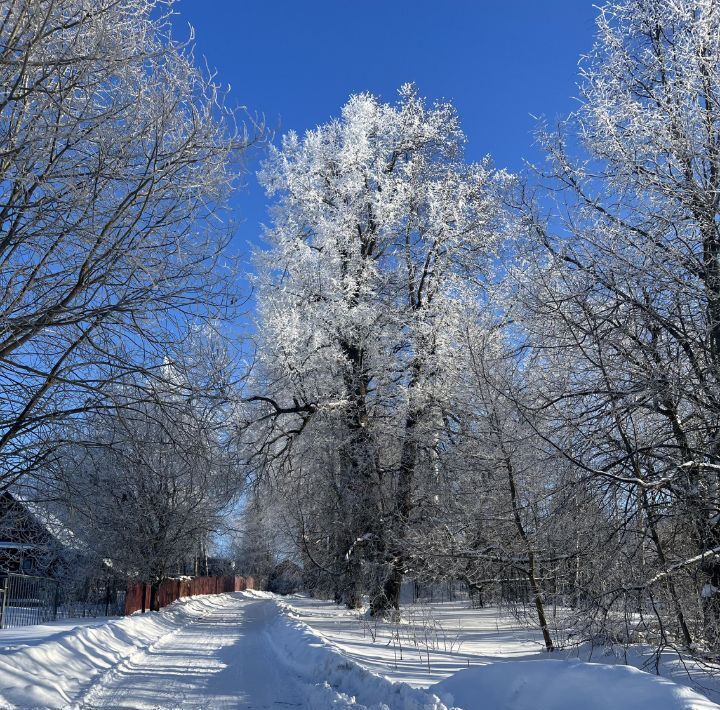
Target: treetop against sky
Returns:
[[502, 63]]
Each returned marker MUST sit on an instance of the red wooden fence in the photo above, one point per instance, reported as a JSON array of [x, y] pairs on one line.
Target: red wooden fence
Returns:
[[172, 589]]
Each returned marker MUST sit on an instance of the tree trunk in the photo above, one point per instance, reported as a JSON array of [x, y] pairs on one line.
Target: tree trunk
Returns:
[[475, 592], [531, 570], [387, 592], [388, 596], [362, 499], [154, 596], [677, 608]]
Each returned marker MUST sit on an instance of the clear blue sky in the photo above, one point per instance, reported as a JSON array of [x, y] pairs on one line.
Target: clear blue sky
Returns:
[[297, 61]]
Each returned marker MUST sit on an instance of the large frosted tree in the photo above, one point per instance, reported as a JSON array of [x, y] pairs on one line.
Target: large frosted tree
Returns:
[[381, 234]]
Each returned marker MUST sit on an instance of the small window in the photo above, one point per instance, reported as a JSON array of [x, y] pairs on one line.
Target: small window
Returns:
[[27, 566]]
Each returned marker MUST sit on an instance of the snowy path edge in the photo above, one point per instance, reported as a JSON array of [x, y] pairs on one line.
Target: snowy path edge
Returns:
[[320, 663]]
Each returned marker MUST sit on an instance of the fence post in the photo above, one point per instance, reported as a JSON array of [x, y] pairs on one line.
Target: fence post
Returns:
[[107, 596], [56, 600], [3, 607]]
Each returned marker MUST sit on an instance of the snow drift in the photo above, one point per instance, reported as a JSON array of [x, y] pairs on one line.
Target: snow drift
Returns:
[[564, 685], [327, 668]]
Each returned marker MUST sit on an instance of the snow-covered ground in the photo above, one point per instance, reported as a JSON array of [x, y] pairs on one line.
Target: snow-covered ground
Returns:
[[437, 641], [430, 643], [253, 650], [26, 635], [222, 651]]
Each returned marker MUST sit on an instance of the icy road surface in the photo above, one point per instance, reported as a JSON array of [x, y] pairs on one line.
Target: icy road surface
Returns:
[[222, 660]]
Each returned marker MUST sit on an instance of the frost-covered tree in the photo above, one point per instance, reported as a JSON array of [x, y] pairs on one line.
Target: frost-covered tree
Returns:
[[380, 235], [625, 302], [115, 156], [144, 484]]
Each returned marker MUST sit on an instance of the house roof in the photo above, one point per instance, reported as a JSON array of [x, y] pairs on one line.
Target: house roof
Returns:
[[42, 517]]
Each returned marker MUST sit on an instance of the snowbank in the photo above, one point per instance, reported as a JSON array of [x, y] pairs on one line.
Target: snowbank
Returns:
[[60, 670], [473, 638], [538, 684], [19, 636], [335, 678], [564, 685]]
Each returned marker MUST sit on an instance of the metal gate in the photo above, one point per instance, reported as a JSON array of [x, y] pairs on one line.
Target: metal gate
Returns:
[[26, 600]]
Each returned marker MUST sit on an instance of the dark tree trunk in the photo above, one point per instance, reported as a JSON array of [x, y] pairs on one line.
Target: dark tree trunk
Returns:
[[154, 596], [361, 495], [388, 595], [677, 608], [476, 595], [532, 564]]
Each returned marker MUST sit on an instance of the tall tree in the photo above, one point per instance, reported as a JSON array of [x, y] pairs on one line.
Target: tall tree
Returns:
[[115, 155], [631, 284], [380, 232]]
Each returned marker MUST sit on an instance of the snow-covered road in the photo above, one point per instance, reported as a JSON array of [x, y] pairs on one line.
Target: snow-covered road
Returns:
[[222, 660], [254, 650]]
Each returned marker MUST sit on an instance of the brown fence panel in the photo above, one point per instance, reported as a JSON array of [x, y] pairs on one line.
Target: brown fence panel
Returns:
[[172, 589], [133, 598], [204, 585], [169, 591]]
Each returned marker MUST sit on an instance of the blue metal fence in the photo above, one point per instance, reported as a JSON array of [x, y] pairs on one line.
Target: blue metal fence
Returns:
[[27, 599]]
